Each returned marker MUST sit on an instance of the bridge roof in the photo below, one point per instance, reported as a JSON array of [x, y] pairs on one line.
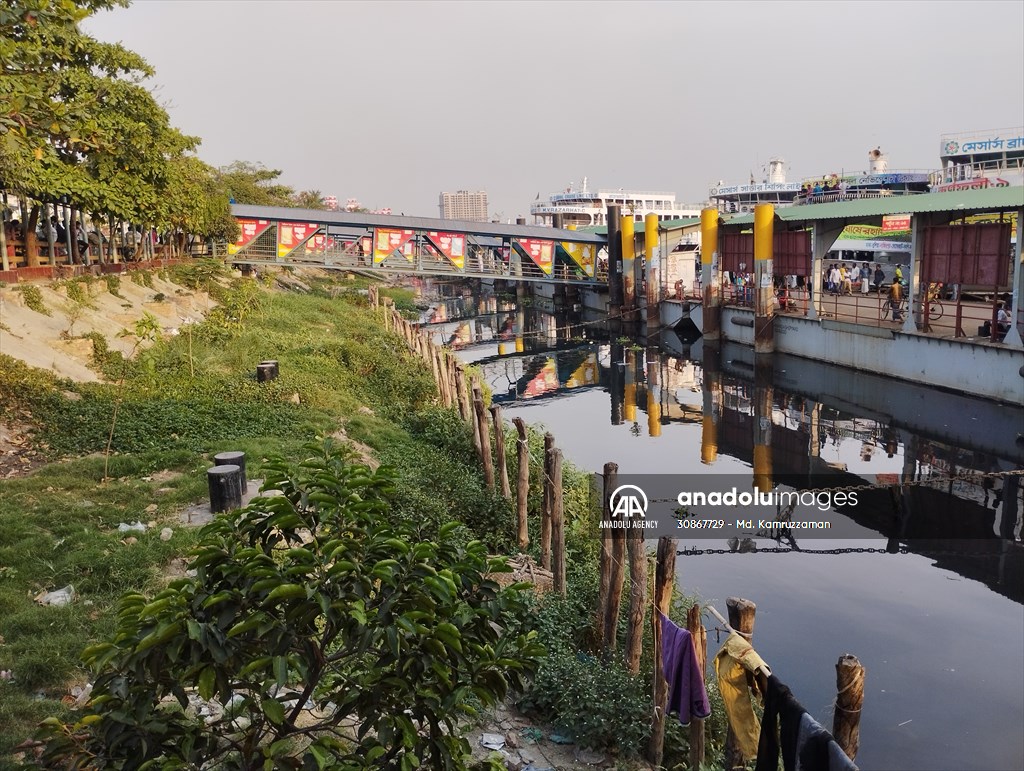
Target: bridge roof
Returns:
[[968, 201], [365, 220]]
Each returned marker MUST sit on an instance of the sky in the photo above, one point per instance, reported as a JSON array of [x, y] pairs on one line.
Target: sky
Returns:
[[393, 102]]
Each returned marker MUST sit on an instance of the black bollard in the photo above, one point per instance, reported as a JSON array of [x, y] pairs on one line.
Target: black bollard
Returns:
[[273, 364], [233, 459], [225, 483], [265, 372]]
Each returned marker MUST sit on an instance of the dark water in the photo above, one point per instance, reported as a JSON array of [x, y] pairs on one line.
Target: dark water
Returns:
[[939, 624]]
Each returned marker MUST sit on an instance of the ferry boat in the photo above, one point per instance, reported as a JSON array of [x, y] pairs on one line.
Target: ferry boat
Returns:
[[979, 159], [736, 199], [584, 207]]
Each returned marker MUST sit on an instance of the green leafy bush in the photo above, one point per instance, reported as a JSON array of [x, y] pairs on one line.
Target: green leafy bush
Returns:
[[308, 610], [33, 298], [113, 282]]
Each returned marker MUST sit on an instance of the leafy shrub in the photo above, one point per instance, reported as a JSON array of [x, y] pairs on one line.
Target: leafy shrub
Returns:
[[114, 284], [33, 298], [314, 599], [78, 293]]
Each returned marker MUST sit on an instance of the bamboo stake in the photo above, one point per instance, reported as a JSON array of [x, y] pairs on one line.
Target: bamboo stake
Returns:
[[485, 436], [611, 471], [699, 635], [499, 447], [460, 392], [545, 514], [522, 483], [741, 619], [558, 526], [849, 701], [664, 581], [637, 598]]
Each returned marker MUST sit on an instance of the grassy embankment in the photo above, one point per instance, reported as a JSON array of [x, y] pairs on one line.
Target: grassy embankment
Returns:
[[192, 396]]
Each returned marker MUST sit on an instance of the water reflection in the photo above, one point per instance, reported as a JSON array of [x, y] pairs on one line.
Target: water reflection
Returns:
[[936, 595]]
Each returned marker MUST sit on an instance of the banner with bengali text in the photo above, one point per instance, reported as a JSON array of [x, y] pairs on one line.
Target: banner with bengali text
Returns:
[[582, 255], [451, 245], [387, 242], [540, 251], [293, 234], [248, 231]]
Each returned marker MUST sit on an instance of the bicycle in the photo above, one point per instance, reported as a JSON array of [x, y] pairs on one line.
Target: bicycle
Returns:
[[935, 309]]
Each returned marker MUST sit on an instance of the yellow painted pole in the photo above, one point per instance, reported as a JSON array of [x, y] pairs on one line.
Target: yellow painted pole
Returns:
[[764, 292], [710, 281], [628, 231], [652, 251], [629, 391]]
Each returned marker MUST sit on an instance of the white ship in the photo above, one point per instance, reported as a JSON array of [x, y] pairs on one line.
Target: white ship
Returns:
[[743, 198], [585, 207]]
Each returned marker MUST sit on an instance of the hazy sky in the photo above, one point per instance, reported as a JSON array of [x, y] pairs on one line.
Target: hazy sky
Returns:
[[393, 102]]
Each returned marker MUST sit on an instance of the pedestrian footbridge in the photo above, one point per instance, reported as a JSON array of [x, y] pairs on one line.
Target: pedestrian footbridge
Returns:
[[418, 246]]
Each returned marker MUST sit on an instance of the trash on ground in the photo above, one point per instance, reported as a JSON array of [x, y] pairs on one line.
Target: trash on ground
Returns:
[[492, 741], [58, 597], [134, 527]]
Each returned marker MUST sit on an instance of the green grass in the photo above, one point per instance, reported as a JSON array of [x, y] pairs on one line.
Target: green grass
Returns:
[[180, 403]]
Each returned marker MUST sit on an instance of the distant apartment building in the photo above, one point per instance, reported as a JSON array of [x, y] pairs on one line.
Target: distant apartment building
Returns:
[[464, 205]]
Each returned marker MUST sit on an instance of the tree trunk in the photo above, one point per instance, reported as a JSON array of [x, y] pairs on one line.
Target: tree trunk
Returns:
[[664, 582]]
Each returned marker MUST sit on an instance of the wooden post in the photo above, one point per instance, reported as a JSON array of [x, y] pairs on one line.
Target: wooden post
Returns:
[[545, 513], [664, 582], [522, 483], [558, 527], [499, 447], [699, 636], [611, 473], [637, 598], [485, 436], [460, 392], [435, 368], [849, 701], [741, 618]]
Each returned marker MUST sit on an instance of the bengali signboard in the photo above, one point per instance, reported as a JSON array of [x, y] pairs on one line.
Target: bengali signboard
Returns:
[[386, 242], [895, 223], [871, 238], [980, 143], [582, 255], [248, 231], [293, 234], [540, 251], [451, 245]]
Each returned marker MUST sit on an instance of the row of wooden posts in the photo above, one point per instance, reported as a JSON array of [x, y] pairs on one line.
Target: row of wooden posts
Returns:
[[458, 388]]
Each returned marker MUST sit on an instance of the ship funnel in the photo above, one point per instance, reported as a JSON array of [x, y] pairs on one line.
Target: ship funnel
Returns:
[[776, 170], [878, 161]]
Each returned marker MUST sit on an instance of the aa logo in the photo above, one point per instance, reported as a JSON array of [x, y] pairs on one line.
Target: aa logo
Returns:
[[627, 501]]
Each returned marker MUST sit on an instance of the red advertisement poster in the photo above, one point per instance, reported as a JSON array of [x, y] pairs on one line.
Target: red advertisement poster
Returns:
[[249, 231], [451, 245], [387, 242], [538, 250], [293, 234]]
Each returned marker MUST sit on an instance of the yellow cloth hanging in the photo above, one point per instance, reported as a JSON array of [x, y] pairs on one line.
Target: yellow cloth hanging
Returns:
[[733, 661]]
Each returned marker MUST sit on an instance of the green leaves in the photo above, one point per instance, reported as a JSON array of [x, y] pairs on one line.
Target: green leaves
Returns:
[[393, 634]]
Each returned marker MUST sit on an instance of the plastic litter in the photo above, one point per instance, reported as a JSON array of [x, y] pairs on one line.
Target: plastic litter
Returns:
[[58, 597], [560, 739], [492, 741], [166, 533], [134, 527]]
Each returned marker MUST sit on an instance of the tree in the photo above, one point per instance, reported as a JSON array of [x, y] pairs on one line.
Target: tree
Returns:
[[254, 184], [195, 201], [336, 636], [309, 199]]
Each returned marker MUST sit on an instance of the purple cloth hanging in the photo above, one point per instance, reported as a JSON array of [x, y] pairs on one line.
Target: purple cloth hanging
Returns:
[[686, 692]]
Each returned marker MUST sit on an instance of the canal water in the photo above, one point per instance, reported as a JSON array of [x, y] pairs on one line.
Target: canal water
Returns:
[[927, 594]]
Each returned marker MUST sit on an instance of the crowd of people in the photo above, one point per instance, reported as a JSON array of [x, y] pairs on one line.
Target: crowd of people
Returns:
[[93, 243]]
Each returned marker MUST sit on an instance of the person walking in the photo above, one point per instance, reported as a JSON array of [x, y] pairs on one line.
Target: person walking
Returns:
[[865, 278], [879, 278]]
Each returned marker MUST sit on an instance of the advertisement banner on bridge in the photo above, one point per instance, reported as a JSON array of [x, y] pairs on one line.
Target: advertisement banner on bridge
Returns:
[[293, 234], [544, 381], [248, 231], [540, 251], [582, 255], [387, 242], [319, 243], [451, 245], [586, 374]]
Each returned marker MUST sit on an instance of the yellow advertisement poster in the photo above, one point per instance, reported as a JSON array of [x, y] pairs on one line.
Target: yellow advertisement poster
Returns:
[[387, 242], [582, 255]]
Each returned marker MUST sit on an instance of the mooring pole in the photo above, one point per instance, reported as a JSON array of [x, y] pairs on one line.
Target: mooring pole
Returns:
[[664, 581]]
